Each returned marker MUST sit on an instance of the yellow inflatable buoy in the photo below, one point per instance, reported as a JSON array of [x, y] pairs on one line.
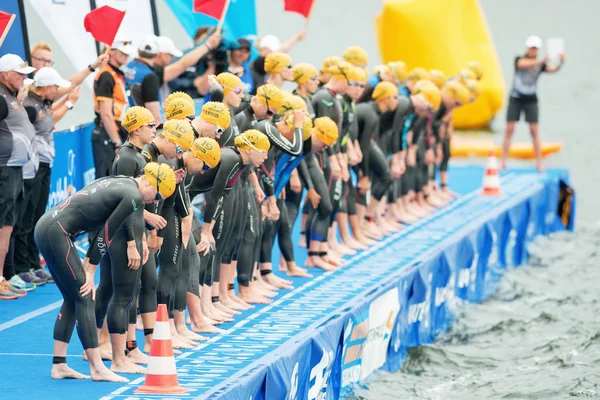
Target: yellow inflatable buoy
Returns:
[[444, 35], [482, 148]]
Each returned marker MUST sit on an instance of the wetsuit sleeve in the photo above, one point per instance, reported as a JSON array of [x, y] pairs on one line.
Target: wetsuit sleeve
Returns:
[[216, 93], [369, 127], [130, 200], [127, 166], [105, 86], [304, 173], [150, 88], [397, 127], [167, 214], [182, 200], [277, 140], [229, 163], [268, 183], [150, 207]]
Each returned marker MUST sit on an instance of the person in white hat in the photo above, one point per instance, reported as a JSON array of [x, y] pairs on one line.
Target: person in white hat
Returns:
[[16, 150], [523, 96]]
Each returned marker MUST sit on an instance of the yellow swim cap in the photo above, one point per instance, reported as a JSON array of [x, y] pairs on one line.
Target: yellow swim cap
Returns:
[[179, 132], [465, 74], [303, 72], [228, 81], [457, 92], [437, 77], [329, 62], [383, 69], [292, 102], [161, 177], [179, 108], [307, 125], [356, 56], [276, 62], [418, 74], [216, 113], [399, 69], [136, 117], [207, 150], [477, 69], [176, 95], [384, 90], [474, 87], [341, 70], [252, 139], [361, 74], [270, 95], [326, 130], [428, 92]]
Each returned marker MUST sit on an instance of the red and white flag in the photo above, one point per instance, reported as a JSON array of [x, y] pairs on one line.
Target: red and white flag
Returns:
[[6, 21], [302, 7], [103, 23], [212, 8]]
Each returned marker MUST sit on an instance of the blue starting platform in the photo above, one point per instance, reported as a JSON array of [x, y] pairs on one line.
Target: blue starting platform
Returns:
[[335, 330]]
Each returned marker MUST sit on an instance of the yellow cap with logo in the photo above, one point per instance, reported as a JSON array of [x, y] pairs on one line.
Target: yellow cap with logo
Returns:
[[228, 81], [477, 69], [458, 92], [437, 77], [179, 132], [384, 90], [216, 113], [341, 70], [276, 62], [207, 150], [399, 69], [329, 62], [136, 117], [326, 130], [429, 92], [161, 177], [361, 74], [418, 74], [356, 56], [179, 108], [253, 139], [465, 74], [292, 102], [270, 96], [176, 95], [303, 72], [475, 88], [307, 125]]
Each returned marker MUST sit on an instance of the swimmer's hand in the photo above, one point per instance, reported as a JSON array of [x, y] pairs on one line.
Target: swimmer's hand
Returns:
[[88, 286], [155, 220], [133, 256], [313, 197], [179, 175]]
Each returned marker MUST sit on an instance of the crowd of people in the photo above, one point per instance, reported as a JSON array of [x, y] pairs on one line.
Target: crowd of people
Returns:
[[352, 155]]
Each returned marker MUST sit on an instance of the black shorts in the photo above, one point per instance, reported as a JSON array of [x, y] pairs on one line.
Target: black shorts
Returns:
[[517, 106], [11, 185]]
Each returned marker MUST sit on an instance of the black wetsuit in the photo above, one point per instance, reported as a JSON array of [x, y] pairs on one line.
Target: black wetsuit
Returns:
[[106, 202], [349, 133], [117, 291], [439, 125]]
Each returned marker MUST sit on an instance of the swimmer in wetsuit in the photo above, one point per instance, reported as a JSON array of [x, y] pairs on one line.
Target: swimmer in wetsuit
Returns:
[[279, 67], [105, 203]]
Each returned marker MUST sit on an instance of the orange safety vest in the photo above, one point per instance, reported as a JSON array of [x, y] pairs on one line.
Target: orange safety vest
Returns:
[[120, 100]]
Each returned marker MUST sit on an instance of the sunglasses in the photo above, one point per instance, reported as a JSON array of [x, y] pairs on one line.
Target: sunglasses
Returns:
[[353, 83], [219, 130], [179, 150], [205, 167], [158, 197], [290, 66], [236, 91], [314, 78], [151, 125]]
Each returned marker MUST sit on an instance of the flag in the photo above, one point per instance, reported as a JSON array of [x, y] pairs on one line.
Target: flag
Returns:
[[212, 8], [301, 7], [6, 21], [103, 23]]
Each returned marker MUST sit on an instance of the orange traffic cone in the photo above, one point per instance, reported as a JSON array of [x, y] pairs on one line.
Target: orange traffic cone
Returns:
[[161, 377], [491, 179]]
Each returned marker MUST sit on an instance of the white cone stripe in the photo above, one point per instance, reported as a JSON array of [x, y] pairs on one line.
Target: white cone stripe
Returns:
[[161, 366], [491, 181], [162, 331], [492, 163]]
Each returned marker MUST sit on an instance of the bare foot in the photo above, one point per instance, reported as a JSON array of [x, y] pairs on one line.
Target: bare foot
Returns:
[[206, 328], [353, 244], [137, 357], [276, 281], [245, 306], [302, 241], [334, 245], [179, 342], [333, 259], [282, 264], [539, 166], [232, 305], [365, 241], [127, 367], [255, 298], [62, 371], [106, 375], [297, 271], [106, 355], [188, 320], [186, 333], [264, 284], [372, 232], [318, 262]]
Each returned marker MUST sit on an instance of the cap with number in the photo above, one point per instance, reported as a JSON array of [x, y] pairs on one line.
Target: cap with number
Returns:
[[253, 139], [136, 117], [326, 130], [399, 69], [356, 56], [47, 76], [330, 62], [161, 177], [179, 108], [216, 113], [270, 95], [228, 82], [429, 92], [175, 95], [179, 132], [276, 62], [303, 72], [418, 74], [437, 77], [292, 102], [477, 69], [384, 90], [457, 92], [166, 45], [207, 150]]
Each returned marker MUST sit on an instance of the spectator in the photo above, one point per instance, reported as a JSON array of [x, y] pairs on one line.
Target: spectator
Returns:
[[237, 61], [16, 150]]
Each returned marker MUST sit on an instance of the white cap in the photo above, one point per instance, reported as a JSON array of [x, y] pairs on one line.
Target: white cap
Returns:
[[12, 62], [533, 41], [149, 45], [123, 44], [270, 42], [166, 45], [47, 76]]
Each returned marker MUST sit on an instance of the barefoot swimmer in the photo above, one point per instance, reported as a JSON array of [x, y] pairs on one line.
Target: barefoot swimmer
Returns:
[[105, 203]]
